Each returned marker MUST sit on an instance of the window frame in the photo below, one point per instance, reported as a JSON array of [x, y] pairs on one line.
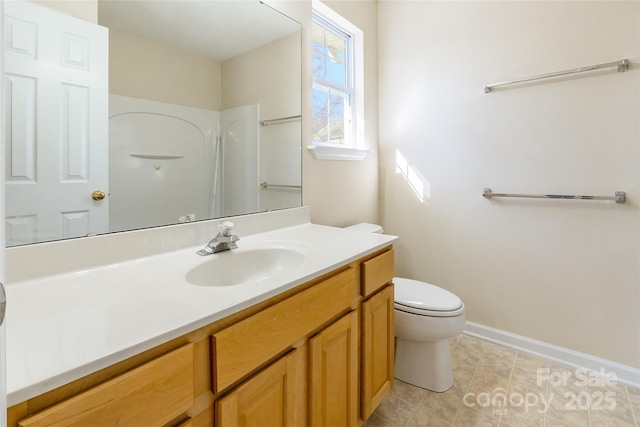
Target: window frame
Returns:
[[355, 149]]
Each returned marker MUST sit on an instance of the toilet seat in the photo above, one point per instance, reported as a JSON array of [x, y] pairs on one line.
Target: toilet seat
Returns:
[[425, 299]]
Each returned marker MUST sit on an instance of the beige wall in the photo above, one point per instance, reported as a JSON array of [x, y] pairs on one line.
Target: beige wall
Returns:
[[82, 9], [564, 272], [179, 77], [269, 75]]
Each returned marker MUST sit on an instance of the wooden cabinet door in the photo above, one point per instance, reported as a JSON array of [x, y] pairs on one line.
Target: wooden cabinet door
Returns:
[[333, 374], [377, 349], [274, 397]]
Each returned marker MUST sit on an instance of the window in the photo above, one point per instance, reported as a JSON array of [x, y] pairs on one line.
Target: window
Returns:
[[337, 81], [332, 83]]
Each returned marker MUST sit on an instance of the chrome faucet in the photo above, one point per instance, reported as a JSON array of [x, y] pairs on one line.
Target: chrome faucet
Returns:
[[223, 241]]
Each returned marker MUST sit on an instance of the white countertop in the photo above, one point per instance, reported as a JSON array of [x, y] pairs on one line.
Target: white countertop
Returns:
[[63, 327]]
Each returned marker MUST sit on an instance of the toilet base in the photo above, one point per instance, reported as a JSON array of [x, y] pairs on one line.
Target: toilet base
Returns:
[[426, 364]]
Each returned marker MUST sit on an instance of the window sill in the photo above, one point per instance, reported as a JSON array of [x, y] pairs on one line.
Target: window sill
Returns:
[[337, 152]]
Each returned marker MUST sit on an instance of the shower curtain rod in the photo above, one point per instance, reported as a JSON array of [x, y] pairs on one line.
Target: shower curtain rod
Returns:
[[623, 65], [281, 119], [620, 196]]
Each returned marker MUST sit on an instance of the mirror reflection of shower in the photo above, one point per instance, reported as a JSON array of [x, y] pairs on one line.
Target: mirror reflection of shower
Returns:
[[159, 157], [165, 157], [236, 172]]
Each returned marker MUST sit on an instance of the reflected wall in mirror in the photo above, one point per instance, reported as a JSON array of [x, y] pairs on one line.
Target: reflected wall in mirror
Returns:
[[163, 112]]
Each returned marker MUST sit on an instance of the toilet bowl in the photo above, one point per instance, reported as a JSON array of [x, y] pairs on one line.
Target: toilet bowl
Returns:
[[426, 316]]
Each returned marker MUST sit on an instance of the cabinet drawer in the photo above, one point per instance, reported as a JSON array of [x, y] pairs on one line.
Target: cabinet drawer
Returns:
[[377, 272], [151, 395], [278, 327]]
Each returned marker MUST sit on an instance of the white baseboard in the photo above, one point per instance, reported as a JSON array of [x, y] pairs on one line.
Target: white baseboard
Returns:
[[561, 355]]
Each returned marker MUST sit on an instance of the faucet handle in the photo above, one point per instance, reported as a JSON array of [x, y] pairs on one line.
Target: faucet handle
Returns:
[[226, 227]]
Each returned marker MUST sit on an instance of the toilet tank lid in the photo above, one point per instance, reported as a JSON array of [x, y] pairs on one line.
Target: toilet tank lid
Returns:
[[424, 296], [366, 227]]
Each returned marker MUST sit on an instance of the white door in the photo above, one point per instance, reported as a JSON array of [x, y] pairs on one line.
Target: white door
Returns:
[[3, 372], [56, 130]]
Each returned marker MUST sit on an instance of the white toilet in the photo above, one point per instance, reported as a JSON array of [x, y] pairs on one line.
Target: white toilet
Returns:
[[426, 316]]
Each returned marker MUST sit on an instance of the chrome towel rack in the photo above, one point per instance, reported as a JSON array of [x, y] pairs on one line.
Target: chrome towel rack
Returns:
[[619, 197], [265, 184], [622, 65], [279, 120]]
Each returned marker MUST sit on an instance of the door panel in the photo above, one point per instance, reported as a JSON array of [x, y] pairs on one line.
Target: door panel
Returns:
[[276, 394], [377, 349], [56, 131], [333, 366]]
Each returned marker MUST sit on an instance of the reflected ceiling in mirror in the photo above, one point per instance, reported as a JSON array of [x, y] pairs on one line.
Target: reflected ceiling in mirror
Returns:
[[161, 112], [215, 29]]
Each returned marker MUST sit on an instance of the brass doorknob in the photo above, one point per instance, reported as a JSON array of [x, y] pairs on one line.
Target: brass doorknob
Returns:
[[98, 195]]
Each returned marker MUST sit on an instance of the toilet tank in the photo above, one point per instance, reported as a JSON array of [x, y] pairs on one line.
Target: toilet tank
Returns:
[[366, 227]]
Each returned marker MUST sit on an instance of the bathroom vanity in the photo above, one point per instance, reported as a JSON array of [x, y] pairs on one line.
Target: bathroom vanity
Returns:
[[312, 345]]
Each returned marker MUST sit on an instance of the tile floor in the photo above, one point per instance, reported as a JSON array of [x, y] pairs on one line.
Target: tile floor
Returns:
[[498, 386]]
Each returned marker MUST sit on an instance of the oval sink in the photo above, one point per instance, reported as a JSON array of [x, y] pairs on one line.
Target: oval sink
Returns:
[[242, 266]]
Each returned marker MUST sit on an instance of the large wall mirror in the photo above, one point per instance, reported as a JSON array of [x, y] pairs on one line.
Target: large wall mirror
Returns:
[[163, 112]]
